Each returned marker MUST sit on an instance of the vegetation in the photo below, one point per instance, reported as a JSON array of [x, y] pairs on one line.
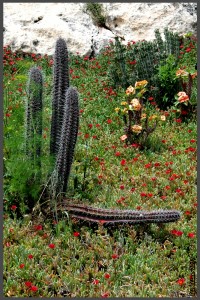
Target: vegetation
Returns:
[[42, 250]]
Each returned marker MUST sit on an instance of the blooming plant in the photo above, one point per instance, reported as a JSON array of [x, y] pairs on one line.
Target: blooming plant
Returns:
[[184, 99], [136, 122]]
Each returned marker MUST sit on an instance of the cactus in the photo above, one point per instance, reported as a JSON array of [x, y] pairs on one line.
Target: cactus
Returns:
[[114, 216], [34, 114], [60, 85], [67, 140]]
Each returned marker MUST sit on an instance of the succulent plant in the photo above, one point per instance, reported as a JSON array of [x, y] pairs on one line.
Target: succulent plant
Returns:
[[60, 85], [67, 140], [116, 216], [34, 114]]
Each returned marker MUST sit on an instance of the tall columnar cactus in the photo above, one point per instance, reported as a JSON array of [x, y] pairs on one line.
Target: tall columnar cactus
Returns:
[[67, 141], [60, 85], [34, 114]]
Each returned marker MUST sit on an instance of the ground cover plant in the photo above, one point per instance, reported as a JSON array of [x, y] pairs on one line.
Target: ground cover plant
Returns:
[[57, 256]]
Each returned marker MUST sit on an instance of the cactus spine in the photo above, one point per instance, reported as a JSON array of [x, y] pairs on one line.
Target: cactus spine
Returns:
[[68, 139], [61, 84], [34, 115]]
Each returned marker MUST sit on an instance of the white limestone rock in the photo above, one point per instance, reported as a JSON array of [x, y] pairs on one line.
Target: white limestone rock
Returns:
[[34, 27]]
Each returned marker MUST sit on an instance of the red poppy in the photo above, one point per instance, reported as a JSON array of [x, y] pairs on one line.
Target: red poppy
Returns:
[[109, 121], [52, 246], [30, 256]]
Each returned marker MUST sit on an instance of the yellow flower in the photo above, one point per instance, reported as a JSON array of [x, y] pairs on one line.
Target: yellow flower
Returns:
[[130, 90], [125, 110], [163, 118], [117, 109], [143, 116], [124, 103], [136, 128], [136, 104], [141, 84]]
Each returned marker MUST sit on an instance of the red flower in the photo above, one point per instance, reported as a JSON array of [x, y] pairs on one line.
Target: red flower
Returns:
[[157, 164], [138, 207], [150, 98], [30, 256], [143, 194], [22, 266], [76, 233], [191, 234], [147, 165], [52, 246], [181, 281], [28, 283], [95, 281], [105, 295], [33, 288], [187, 213], [109, 121], [123, 162], [167, 187], [13, 207], [86, 136], [176, 232], [132, 62], [188, 50], [107, 276], [115, 256], [122, 187], [149, 195], [38, 227], [193, 141], [117, 153], [90, 126]]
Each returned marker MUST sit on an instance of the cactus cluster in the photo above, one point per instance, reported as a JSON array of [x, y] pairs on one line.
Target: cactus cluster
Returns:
[[64, 130]]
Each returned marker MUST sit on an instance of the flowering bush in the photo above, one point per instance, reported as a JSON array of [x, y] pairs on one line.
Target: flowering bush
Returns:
[[137, 127]]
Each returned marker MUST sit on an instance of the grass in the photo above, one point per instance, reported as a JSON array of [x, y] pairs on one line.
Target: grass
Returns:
[[48, 258]]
